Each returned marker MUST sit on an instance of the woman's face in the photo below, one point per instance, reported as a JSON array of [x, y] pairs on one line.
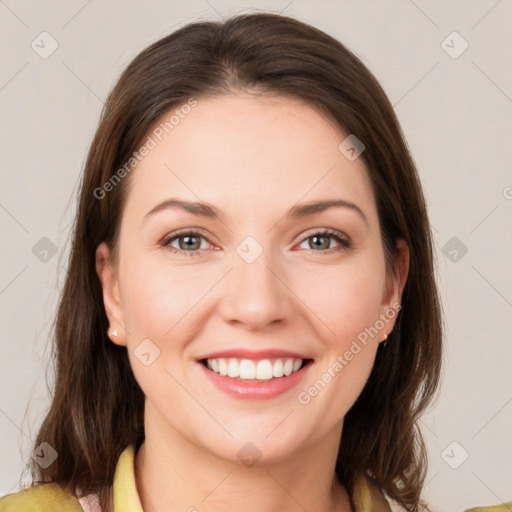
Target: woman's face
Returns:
[[257, 284]]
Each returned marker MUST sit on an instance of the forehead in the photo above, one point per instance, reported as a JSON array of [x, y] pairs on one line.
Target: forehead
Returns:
[[247, 154]]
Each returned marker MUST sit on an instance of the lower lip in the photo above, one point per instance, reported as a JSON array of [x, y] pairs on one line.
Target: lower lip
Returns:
[[256, 390]]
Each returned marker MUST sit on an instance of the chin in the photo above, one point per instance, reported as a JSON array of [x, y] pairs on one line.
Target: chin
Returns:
[[255, 445]]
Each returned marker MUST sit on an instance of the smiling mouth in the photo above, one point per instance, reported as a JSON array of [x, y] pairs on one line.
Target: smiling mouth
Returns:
[[249, 370]]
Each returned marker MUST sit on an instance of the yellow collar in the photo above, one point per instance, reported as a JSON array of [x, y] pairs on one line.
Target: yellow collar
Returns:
[[367, 497], [126, 497]]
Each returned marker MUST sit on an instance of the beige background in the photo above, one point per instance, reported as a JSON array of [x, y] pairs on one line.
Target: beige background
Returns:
[[457, 117]]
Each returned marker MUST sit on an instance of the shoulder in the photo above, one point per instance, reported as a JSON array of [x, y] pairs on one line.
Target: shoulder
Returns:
[[48, 497], [504, 507]]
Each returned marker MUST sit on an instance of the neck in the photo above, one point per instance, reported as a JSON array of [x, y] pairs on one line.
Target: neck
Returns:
[[172, 474]]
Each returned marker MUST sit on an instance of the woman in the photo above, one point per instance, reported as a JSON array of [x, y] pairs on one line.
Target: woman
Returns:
[[250, 316]]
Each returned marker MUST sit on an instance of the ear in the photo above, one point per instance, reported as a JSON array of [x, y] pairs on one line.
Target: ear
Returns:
[[395, 285], [111, 297]]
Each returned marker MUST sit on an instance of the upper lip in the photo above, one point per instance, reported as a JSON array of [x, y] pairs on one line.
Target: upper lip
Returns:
[[253, 354]]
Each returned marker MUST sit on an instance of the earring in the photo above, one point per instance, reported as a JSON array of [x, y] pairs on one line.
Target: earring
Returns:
[[385, 340], [114, 333]]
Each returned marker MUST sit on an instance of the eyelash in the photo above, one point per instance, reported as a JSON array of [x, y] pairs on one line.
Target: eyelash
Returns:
[[345, 244]]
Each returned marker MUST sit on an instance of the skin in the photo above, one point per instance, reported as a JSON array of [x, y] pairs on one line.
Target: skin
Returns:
[[253, 158]]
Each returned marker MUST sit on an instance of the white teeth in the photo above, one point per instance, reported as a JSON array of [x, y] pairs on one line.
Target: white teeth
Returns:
[[264, 370], [288, 367], [277, 370], [247, 369], [233, 368], [223, 367]]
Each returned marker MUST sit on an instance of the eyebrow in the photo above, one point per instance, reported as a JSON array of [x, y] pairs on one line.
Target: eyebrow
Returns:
[[208, 210]]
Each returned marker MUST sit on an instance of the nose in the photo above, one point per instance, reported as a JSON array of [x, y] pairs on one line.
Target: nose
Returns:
[[256, 295]]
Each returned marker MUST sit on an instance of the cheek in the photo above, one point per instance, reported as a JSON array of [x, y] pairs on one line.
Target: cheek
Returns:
[[346, 298], [160, 300], [158, 306]]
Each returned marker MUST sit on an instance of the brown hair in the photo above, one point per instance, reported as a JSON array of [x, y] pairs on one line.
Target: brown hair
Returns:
[[97, 407]]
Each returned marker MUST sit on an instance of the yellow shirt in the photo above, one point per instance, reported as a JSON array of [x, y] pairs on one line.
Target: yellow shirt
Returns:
[[52, 498]]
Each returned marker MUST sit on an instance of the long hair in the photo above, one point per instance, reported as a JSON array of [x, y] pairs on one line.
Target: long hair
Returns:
[[97, 406]]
